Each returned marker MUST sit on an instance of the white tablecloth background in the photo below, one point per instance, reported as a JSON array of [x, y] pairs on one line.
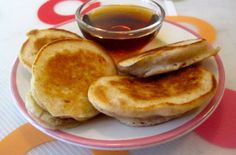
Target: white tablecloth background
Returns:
[[18, 17]]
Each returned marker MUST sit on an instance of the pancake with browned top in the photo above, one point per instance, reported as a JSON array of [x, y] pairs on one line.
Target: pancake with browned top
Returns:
[[62, 73], [39, 38], [167, 58], [44, 118], [153, 100]]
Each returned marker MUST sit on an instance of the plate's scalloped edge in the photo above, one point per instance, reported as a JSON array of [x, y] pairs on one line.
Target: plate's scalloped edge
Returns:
[[131, 143]]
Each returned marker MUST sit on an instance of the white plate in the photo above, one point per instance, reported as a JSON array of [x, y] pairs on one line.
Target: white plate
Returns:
[[107, 133]]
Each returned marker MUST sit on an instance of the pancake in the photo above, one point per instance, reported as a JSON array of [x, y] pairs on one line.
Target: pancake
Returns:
[[44, 118], [37, 39], [62, 73], [167, 58], [153, 100]]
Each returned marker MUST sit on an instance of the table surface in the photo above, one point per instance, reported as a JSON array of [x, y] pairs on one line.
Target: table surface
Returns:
[[18, 17]]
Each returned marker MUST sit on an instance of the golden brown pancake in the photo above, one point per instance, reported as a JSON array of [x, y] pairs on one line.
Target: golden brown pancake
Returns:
[[149, 101], [44, 118], [62, 73], [39, 38], [167, 58]]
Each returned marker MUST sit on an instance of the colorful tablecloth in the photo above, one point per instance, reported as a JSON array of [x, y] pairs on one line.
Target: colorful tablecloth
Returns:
[[216, 136]]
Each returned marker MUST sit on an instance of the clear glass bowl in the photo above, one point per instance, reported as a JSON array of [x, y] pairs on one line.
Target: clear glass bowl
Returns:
[[120, 40]]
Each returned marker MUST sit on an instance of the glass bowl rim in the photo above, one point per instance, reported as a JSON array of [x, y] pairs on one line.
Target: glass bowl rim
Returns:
[[156, 24]]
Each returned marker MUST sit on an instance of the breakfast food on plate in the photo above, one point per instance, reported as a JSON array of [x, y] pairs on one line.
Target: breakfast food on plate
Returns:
[[167, 58], [44, 118], [61, 74], [153, 100], [73, 79], [37, 39]]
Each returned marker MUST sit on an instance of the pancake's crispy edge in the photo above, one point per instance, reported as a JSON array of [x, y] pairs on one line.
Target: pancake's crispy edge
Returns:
[[21, 55], [44, 118]]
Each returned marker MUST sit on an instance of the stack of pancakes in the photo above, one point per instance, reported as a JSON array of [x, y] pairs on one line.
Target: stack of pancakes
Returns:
[[160, 84], [74, 79], [62, 71]]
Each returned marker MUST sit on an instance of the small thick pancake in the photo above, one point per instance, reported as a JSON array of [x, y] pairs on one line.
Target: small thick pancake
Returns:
[[37, 39], [45, 119], [168, 95], [167, 58], [62, 73]]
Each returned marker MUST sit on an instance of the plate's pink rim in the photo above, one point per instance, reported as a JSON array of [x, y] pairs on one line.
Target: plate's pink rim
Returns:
[[130, 143]]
